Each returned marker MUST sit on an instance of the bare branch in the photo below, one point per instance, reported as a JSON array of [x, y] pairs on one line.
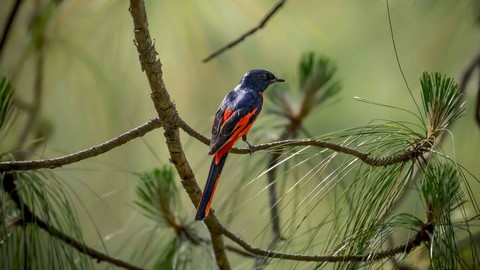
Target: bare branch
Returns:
[[28, 217], [81, 155], [167, 113], [251, 32]]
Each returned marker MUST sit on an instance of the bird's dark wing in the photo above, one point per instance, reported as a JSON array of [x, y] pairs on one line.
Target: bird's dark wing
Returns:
[[234, 118]]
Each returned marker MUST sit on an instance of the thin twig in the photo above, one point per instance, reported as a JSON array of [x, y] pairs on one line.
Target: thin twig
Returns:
[[423, 236], [8, 25], [28, 217], [83, 154], [250, 32], [150, 63]]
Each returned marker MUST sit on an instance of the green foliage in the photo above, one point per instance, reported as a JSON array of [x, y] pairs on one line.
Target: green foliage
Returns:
[[317, 84], [157, 199], [443, 197], [441, 191], [316, 77], [442, 101], [339, 205], [25, 245], [157, 196]]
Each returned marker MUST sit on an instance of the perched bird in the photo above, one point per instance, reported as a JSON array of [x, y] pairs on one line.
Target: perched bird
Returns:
[[235, 116]]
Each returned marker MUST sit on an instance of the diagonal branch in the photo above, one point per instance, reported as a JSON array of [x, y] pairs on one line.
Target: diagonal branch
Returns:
[[168, 115], [262, 23], [83, 154], [28, 217]]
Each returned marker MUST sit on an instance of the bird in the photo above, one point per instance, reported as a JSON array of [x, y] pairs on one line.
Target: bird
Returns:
[[233, 119]]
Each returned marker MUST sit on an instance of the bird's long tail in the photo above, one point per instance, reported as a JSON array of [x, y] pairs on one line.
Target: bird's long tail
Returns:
[[203, 208]]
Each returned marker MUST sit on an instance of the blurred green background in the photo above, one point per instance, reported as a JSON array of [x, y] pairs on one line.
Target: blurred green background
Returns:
[[94, 88]]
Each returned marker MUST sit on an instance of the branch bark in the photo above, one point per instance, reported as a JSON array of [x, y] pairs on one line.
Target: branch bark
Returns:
[[410, 154], [422, 236], [167, 114], [93, 151]]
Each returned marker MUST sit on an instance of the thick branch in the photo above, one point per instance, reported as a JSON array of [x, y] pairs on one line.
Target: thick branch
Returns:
[[250, 32], [84, 154], [168, 115], [28, 217]]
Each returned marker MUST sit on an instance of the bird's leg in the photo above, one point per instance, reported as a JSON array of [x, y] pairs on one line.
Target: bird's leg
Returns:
[[250, 147]]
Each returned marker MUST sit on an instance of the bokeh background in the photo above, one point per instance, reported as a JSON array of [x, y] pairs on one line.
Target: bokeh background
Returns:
[[95, 90]]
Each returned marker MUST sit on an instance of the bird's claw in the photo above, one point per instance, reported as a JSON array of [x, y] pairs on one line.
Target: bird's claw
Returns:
[[250, 147]]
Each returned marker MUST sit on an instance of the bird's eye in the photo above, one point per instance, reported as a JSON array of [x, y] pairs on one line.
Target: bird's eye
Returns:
[[264, 77]]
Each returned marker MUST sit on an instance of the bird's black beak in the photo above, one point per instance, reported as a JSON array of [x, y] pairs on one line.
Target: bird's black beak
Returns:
[[274, 80]]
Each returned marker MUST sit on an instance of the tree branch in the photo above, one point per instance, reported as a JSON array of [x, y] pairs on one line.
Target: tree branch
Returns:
[[423, 236], [409, 154], [251, 32], [28, 217], [168, 115], [83, 154]]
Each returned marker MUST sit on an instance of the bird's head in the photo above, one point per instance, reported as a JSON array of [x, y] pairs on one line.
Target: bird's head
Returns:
[[259, 79]]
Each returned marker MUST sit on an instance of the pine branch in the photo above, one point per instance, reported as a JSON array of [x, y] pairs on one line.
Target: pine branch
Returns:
[[168, 115], [411, 153], [28, 217], [423, 236]]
